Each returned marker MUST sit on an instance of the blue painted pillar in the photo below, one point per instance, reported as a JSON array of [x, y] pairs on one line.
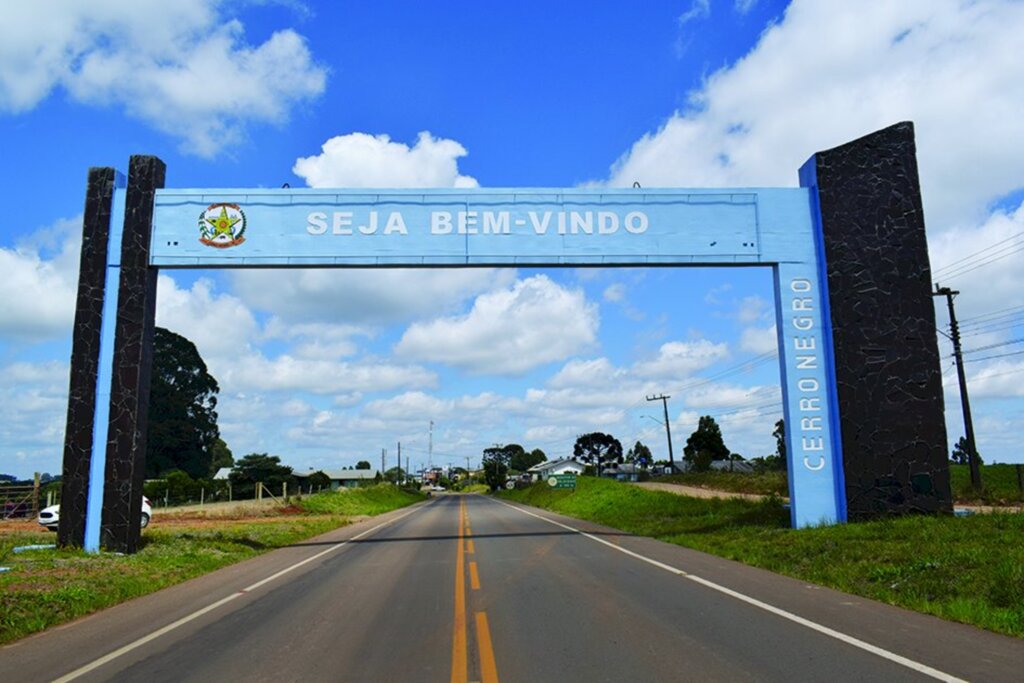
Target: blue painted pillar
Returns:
[[813, 447]]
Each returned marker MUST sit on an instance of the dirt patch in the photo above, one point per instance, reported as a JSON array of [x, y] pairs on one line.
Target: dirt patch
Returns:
[[697, 492], [19, 526]]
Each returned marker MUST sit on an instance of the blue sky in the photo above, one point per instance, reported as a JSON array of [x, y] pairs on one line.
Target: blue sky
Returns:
[[325, 368]]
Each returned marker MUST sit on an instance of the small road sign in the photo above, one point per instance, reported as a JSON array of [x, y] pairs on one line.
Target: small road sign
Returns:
[[562, 481]]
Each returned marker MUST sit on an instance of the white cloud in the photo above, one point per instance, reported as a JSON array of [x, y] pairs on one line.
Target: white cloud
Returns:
[[874, 63], [699, 9], [362, 160], [615, 292], [508, 331], [33, 411], [363, 297], [39, 292], [751, 309], [179, 66], [994, 285], [681, 359], [759, 339], [220, 325], [744, 6]]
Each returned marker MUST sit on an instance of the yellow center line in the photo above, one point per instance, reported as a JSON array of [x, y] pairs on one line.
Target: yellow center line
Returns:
[[474, 578], [488, 669], [470, 548], [459, 666]]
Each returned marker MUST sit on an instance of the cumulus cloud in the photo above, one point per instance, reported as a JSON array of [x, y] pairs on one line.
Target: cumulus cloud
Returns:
[[682, 359], [875, 63], [39, 287], [759, 339], [181, 67], [363, 160], [508, 331], [363, 297], [33, 410]]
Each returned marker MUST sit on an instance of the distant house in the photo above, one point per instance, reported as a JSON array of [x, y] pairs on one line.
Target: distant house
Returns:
[[716, 465], [347, 479], [621, 472], [544, 470]]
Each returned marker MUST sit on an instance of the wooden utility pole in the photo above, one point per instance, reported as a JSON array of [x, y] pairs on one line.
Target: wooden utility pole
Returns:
[[668, 430], [965, 402]]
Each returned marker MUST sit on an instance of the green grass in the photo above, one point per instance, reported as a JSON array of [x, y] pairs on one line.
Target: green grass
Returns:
[[999, 485], [49, 587], [760, 483], [964, 569], [372, 500]]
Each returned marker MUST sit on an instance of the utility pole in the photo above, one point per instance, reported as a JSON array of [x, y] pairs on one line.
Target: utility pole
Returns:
[[668, 430], [382, 452], [400, 458], [430, 446], [965, 402]]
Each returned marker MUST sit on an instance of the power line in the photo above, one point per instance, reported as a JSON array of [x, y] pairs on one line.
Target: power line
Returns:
[[1001, 355], [966, 264], [998, 313], [999, 257], [1008, 325], [994, 346]]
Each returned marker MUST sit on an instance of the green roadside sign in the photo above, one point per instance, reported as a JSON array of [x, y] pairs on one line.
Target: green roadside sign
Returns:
[[562, 481]]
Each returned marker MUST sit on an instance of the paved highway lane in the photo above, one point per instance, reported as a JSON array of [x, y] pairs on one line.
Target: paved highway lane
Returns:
[[466, 588]]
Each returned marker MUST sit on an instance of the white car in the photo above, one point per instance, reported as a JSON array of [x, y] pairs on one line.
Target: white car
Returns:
[[50, 517]]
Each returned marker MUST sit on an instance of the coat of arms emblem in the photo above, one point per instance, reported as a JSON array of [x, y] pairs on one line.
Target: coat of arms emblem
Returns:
[[222, 225]]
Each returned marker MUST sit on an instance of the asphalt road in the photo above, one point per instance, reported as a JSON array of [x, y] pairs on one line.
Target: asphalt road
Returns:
[[466, 588]]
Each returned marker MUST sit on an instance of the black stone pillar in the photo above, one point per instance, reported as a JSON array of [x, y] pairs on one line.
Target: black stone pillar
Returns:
[[133, 353], [85, 353], [888, 376]]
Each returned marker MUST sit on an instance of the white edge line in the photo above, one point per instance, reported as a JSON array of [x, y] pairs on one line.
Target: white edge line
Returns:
[[105, 659], [814, 626]]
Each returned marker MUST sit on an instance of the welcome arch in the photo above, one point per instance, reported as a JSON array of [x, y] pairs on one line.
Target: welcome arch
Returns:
[[861, 381]]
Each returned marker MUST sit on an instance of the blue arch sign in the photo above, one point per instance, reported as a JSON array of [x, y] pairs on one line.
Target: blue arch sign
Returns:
[[800, 233]]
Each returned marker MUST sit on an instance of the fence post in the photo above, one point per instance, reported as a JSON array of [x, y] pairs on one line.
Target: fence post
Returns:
[[229, 491], [284, 491], [35, 496], [259, 490], [202, 496]]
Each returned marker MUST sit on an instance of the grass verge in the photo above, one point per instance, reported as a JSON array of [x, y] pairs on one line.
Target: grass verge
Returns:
[[964, 569], [48, 587], [999, 485], [759, 483]]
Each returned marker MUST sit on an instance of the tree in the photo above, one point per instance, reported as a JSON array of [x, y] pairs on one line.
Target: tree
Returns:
[[522, 461], [780, 439], [960, 455], [640, 456], [318, 480], [597, 448], [495, 466], [705, 445], [222, 456], [182, 431], [395, 475], [363, 465], [259, 467]]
